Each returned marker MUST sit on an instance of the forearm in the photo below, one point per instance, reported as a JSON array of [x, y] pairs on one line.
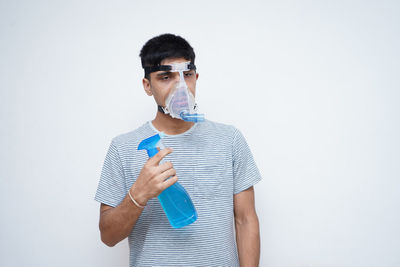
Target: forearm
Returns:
[[117, 223], [248, 241]]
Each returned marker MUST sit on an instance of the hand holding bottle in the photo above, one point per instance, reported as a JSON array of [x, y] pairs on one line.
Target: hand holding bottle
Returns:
[[152, 179]]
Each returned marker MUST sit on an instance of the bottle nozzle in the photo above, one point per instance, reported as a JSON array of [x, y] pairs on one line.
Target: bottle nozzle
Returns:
[[151, 144]]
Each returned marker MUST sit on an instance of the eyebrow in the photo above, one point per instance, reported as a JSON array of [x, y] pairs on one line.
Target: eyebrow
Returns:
[[164, 73]]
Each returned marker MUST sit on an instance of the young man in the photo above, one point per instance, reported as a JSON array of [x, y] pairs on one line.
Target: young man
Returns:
[[211, 160]]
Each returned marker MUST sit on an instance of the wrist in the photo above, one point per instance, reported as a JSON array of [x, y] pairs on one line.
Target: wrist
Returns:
[[139, 198]]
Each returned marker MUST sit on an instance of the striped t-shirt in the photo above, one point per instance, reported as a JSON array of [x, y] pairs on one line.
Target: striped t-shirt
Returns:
[[213, 162]]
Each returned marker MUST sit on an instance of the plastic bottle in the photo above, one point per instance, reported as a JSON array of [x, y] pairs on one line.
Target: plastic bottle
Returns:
[[176, 202]]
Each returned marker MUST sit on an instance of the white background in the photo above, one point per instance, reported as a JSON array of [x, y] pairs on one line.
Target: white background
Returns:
[[313, 86]]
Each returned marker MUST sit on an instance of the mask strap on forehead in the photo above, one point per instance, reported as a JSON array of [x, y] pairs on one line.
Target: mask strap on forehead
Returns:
[[148, 70]]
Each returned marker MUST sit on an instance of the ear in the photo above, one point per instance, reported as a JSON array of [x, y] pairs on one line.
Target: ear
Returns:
[[146, 86], [197, 76]]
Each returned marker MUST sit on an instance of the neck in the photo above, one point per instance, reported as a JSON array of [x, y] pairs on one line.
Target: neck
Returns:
[[171, 126]]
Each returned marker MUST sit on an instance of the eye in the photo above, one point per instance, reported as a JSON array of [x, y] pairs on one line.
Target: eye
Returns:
[[188, 74], [165, 77]]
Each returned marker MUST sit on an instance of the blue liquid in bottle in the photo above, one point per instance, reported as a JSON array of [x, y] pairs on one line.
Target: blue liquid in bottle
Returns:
[[178, 206]]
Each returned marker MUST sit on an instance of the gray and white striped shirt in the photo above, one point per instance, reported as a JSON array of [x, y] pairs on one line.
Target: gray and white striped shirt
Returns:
[[213, 162]]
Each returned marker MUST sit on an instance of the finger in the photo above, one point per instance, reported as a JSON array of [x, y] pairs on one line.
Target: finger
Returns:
[[155, 160], [164, 166], [166, 174], [169, 182]]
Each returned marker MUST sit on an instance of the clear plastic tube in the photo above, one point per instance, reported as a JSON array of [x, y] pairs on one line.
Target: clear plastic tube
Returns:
[[194, 117]]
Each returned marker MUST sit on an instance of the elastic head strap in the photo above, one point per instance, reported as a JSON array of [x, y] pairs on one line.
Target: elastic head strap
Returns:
[[148, 70], [160, 108]]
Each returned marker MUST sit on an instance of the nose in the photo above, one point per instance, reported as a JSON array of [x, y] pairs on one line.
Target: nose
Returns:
[[179, 77]]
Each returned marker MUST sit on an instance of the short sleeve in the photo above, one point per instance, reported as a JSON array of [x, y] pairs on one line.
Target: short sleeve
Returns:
[[245, 171], [111, 189]]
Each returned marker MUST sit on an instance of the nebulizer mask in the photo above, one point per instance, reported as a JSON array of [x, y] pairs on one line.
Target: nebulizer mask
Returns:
[[180, 103]]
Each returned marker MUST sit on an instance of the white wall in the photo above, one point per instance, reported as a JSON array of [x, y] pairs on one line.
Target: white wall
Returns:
[[313, 85]]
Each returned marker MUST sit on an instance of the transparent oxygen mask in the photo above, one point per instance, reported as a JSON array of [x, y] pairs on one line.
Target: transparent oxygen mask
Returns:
[[180, 103]]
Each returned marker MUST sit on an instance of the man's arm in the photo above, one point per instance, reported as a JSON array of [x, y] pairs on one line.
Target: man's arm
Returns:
[[247, 228], [116, 223]]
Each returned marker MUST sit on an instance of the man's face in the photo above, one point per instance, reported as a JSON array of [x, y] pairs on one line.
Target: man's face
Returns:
[[161, 83]]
